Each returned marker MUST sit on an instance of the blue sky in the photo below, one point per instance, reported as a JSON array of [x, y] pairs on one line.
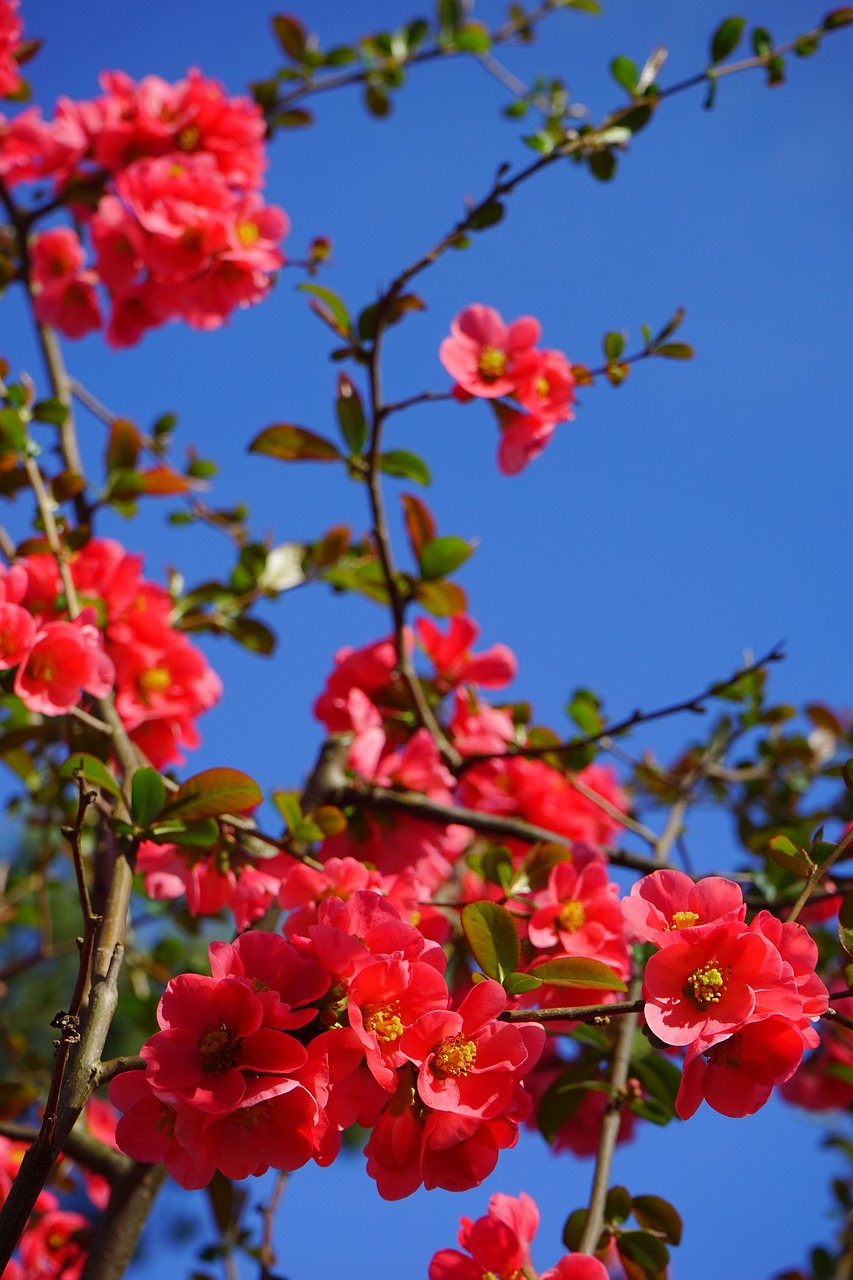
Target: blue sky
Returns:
[[699, 511]]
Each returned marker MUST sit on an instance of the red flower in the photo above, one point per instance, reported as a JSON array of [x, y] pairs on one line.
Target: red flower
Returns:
[[667, 906], [736, 1076], [454, 662], [487, 357], [499, 1242]]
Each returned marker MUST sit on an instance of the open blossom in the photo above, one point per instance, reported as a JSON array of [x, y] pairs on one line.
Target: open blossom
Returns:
[[498, 1244], [578, 912], [456, 664], [737, 1075], [668, 906], [549, 393], [487, 357], [66, 660], [11, 30], [63, 293]]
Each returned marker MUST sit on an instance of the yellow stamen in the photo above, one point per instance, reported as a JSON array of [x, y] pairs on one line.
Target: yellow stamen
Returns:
[[455, 1056], [492, 364], [385, 1024], [248, 233], [706, 985], [155, 680], [573, 916], [683, 920], [188, 138], [218, 1051]]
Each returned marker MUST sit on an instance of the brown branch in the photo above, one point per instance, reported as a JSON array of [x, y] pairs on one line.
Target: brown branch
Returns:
[[610, 1125], [574, 1013], [363, 795], [694, 704], [80, 1146], [117, 1232], [107, 1071]]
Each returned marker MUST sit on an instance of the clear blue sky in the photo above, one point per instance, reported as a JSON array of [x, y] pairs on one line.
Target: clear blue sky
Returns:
[[699, 511]]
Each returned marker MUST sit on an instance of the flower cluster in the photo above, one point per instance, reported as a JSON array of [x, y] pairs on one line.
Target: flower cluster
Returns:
[[265, 1062], [165, 179], [122, 638], [739, 998], [493, 360], [11, 30], [498, 1246]]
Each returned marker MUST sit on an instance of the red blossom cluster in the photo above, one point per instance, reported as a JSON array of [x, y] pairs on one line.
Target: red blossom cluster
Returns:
[[497, 1246], [122, 638], [288, 1042], [164, 178], [56, 1241], [740, 998], [493, 361], [11, 30]]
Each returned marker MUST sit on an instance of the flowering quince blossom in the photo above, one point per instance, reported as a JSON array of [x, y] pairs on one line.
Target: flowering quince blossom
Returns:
[[578, 913], [667, 906], [177, 226], [11, 30], [492, 360], [65, 660]]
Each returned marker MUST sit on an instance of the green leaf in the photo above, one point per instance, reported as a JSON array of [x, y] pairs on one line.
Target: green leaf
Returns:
[[790, 856], [294, 444], [441, 599], [602, 165], [614, 345], [579, 971], [441, 556], [337, 310], [726, 38], [377, 102], [195, 835], [617, 1206], [95, 772], [493, 938], [53, 411], [573, 1229], [776, 71], [398, 462], [845, 923], [807, 46], [585, 709], [473, 37], [656, 1214], [290, 808], [420, 525], [515, 983], [13, 435], [625, 73], [214, 792], [643, 1254], [351, 417], [291, 35], [675, 351], [148, 795], [838, 18], [488, 216], [762, 42]]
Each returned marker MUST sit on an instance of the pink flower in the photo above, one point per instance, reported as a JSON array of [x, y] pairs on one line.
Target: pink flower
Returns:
[[454, 662], [736, 1076], [64, 294], [705, 988], [146, 1131], [576, 1266], [56, 1246], [384, 998], [548, 395], [523, 437], [468, 1062], [11, 30], [65, 661], [579, 913], [667, 906], [498, 1243], [487, 357]]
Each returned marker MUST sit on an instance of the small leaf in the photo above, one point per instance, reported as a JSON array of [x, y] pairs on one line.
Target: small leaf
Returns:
[[585, 709], [214, 792], [726, 38], [776, 71], [762, 42], [617, 1206], [53, 411], [489, 215], [614, 345], [420, 524], [377, 102], [642, 1255], [790, 856], [398, 462], [337, 310], [441, 599], [625, 73], [602, 165], [95, 772], [195, 835], [656, 1214], [675, 350], [473, 37], [579, 971], [148, 795], [291, 35], [329, 819], [516, 983], [350, 413], [845, 923], [294, 444], [838, 18], [441, 556], [493, 938], [162, 482], [290, 808]]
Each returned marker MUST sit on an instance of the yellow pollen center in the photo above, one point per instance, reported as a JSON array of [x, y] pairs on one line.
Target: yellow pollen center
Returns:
[[492, 364], [455, 1056], [706, 985], [41, 668], [542, 387], [258, 985], [155, 680], [385, 1024], [248, 233], [572, 916], [188, 138], [251, 1117], [217, 1050], [176, 170], [683, 920]]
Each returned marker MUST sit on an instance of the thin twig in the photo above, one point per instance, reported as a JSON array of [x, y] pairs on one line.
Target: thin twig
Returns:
[[817, 873], [574, 1013]]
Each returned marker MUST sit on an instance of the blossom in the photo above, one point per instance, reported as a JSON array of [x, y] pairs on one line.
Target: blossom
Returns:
[[705, 988], [668, 906], [579, 912], [487, 357], [498, 1243], [66, 660], [523, 437], [63, 294], [11, 30], [454, 662], [736, 1076], [576, 1266], [549, 393]]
